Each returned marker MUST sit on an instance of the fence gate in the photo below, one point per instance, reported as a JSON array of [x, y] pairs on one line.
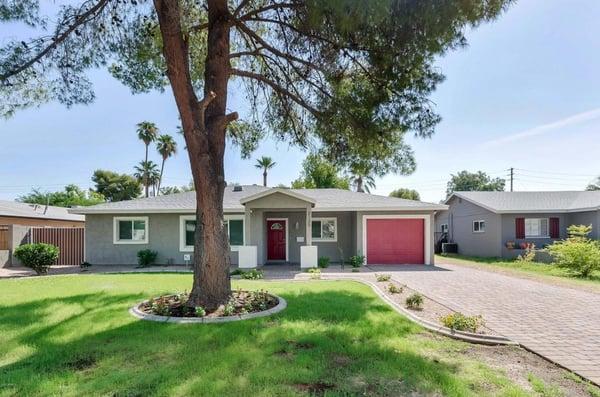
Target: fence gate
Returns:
[[70, 241], [3, 237]]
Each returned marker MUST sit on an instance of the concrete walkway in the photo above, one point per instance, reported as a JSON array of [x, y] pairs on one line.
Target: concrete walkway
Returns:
[[557, 322]]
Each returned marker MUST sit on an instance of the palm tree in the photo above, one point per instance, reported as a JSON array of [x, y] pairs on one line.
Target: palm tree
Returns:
[[167, 147], [362, 181], [265, 163], [147, 173], [147, 132]]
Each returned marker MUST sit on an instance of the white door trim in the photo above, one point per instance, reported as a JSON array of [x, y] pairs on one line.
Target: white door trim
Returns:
[[426, 231], [287, 239]]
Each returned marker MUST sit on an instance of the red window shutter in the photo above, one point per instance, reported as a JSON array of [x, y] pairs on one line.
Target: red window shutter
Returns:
[[520, 228], [554, 228]]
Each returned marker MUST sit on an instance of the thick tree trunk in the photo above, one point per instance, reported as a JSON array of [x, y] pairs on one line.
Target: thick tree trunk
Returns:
[[359, 185], [204, 123], [265, 178]]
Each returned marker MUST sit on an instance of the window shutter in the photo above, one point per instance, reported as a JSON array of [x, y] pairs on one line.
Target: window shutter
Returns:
[[520, 228], [554, 228]]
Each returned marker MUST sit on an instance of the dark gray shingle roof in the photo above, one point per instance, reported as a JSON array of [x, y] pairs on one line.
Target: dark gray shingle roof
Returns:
[[326, 199], [561, 201]]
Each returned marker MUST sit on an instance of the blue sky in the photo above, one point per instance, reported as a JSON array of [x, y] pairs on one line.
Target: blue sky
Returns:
[[525, 93]]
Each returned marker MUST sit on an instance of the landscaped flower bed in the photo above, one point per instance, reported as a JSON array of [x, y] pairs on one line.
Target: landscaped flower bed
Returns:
[[241, 302], [428, 309]]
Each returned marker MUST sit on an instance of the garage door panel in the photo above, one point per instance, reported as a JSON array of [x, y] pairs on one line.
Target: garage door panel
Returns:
[[395, 241]]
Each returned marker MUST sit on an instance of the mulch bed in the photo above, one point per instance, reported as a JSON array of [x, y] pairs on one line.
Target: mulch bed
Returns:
[[240, 302]]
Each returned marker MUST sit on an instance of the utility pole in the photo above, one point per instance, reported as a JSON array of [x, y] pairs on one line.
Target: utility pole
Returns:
[[512, 174]]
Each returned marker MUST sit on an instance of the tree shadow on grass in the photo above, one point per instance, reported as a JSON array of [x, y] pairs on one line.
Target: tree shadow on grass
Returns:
[[328, 342]]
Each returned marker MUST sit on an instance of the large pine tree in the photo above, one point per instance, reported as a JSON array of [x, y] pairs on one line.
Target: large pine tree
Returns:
[[351, 76]]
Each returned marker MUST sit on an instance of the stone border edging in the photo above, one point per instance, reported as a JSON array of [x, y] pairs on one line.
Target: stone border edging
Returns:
[[140, 314], [440, 329]]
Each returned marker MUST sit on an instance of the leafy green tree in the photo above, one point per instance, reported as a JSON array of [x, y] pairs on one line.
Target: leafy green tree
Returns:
[[147, 132], [177, 189], [71, 196], [353, 76], [404, 193], [116, 187], [318, 173], [265, 163], [166, 147], [594, 185], [466, 181]]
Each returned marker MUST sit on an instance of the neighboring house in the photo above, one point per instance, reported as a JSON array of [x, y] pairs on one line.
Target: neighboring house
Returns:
[[267, 225], [484, 223], [18, 219]]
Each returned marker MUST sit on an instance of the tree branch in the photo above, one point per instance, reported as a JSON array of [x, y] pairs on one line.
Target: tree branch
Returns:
[[57, 39], [276, 87], [268, 8]]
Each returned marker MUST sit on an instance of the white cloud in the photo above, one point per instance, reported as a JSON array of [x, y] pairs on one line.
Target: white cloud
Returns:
[[546, 128]]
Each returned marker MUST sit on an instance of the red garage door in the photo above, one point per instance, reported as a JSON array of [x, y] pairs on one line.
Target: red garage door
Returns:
[[395, 241]]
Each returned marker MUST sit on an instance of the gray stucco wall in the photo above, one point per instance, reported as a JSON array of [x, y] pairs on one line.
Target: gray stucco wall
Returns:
[[163, 237], [460, 217], [441, 217], [587, 218]]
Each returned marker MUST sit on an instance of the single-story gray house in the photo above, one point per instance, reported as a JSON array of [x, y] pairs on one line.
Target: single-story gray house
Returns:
[[486, 224], [267, 225]]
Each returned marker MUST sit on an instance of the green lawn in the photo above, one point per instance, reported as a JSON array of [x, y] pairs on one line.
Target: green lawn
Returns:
[[73, 336], [531, 268]]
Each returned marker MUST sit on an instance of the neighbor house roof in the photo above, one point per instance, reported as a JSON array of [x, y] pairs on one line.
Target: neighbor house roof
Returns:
[[323, 199], [522, 202], [25, 210]]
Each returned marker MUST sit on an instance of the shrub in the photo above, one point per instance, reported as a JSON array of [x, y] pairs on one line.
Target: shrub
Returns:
[[414, 301], [200, 312], [252, 274], [146, 257], [460, 322], [355, 270], [38, 256], [315, 273], [357, 260], [394, 289], [323, 262], [383, 277], [237, 272], [578, 254], [229, 308], [528, 255]]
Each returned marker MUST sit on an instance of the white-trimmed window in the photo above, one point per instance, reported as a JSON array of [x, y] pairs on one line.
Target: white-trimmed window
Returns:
[[444, 227], [130, 230], [536, 227], [324, 229], [478, 226], [234, 224]]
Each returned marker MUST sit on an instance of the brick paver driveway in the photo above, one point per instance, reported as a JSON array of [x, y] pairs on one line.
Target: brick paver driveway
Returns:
[[560, 323]]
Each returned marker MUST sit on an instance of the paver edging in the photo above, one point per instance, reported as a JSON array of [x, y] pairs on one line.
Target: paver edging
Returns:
[[140, 314]]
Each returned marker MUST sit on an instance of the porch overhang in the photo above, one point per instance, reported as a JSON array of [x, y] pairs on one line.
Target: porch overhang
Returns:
[[285, 192]]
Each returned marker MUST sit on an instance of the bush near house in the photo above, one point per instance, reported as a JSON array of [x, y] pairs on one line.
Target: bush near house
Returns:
[[324, 262], [37, 256], [578, 254], [460, 322], [414, 301], [146, 257], [357, 260]]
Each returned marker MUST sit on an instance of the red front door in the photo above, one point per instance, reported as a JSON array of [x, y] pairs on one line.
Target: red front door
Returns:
[[276, 235]]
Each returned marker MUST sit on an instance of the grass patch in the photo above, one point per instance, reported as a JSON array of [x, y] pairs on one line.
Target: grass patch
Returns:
[[530, 268], [73, 336], [540, 387]]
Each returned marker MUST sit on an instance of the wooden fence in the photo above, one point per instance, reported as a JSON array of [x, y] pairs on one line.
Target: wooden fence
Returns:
[[70, 241], [3, 237]]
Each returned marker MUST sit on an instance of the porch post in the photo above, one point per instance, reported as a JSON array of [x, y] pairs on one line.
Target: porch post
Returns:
[[308, 224]]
